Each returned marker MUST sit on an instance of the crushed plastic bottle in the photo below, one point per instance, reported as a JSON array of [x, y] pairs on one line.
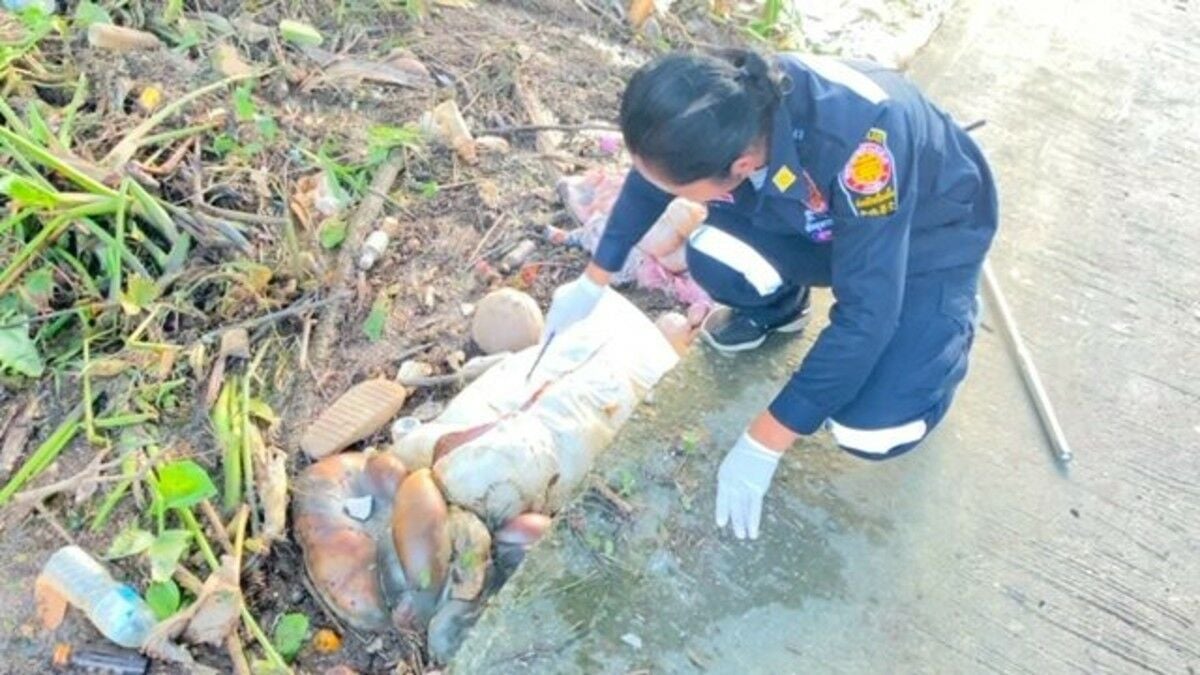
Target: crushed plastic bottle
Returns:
[[114, 608]]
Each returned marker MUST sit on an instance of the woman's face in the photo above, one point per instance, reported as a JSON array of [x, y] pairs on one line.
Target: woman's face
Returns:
[[703, 190]]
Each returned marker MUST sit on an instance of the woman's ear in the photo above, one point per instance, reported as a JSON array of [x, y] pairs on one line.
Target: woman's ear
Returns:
[[746, 164]]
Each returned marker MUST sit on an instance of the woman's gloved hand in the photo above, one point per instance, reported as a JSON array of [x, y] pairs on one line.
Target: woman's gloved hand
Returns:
[[742, 481], [573, 301]]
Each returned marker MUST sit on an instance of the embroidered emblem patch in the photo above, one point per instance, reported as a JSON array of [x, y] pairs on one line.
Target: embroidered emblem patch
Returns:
[[869, 178], [783, 179], [869, 168], [818, 226]]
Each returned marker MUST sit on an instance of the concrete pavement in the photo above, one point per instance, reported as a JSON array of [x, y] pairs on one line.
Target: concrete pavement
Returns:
[[974, 553]]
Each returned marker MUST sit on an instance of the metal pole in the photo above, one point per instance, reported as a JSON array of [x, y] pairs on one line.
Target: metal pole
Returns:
[[1029, 373]]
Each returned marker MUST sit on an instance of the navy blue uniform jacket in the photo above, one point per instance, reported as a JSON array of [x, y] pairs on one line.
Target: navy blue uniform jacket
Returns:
[[886, 184]]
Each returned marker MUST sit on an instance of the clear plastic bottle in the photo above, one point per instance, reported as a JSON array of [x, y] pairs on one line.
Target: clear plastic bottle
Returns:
[[115, 609]]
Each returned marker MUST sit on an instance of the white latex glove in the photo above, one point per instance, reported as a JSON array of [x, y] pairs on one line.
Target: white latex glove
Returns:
[[572, 302], [743, 479]]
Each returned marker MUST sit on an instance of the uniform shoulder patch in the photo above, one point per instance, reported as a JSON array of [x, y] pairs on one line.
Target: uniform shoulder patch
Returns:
[[784, 178], [869, 177]]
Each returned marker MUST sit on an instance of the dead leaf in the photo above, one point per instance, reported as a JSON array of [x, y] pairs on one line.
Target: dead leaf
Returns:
[[489, 193], [270, 474], [400, 71], [166, 363], [51, 605], [235, 342], [229, 62], [448, 122], [208, 620], [196, 357], [107, 367], [639, 11], [120, 39], [16, 433]]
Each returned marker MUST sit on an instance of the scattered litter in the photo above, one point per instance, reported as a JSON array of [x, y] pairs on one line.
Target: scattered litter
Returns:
[[506, 320], [632, 640], [358, 413], [373, 249], [96, 661], [413, 369], [446, 121], [404, 426], [115, 609], [121, 39], [517, 256]]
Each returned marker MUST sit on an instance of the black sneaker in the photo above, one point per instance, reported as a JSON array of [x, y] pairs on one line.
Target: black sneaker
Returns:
[[730, 330]]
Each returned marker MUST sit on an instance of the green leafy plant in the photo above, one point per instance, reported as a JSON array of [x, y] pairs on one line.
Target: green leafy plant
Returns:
[[166, 550], [163, 598], [183, 484], [131, 541], [290, 633]]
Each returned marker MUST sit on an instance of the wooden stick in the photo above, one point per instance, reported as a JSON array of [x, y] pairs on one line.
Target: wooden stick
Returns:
[[237, 654], [294, 309], [214, 519]]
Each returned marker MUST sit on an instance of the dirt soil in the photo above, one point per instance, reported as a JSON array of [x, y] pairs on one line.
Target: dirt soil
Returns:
[[492, 59]]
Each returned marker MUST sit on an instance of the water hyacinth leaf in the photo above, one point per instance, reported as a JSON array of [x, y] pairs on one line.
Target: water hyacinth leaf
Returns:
[[333, 234], [184, 483], [88, 13], [139, 293], [290, 633], [17, 350], [300, 33], [129, 542], [163, 598], [165, 553]]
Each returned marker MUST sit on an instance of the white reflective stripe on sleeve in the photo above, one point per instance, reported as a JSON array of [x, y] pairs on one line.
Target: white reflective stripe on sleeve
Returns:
[[738, 255], [877, 441], [835, 71]]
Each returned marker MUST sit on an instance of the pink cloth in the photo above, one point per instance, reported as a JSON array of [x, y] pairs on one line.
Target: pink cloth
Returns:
[[589, 197]]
